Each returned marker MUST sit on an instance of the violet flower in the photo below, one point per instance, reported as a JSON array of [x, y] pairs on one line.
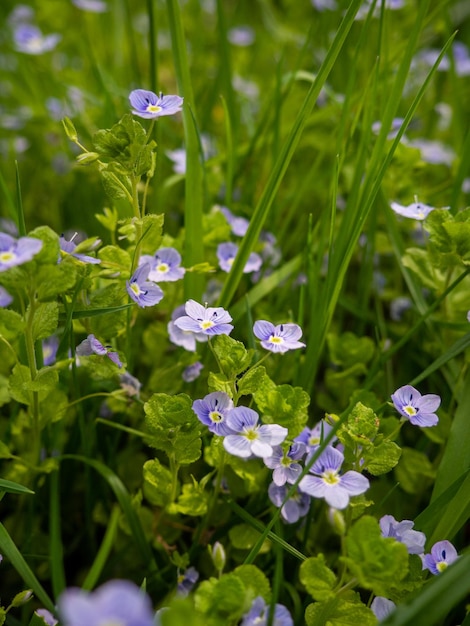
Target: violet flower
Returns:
[[226, 253], [414, 540], [295, 507], [164, 265], [382, 608], [68, 247], [280, 338], [142, 291], [30, 40], [212, 411], [192, 372], [91, 345], [187, 580], [148, 105], [442, 555], [284, 464], [207, 320], [184, 338], [313, 437], [259, 613], [15, 252], [238, 225], [249, 438], [5, 298], [418, 409]]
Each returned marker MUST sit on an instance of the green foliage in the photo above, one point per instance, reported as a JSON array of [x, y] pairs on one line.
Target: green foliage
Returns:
[[317, 578], [157, 483], [232, 355], [173, 427], [283, 404], [224, 599], [377, 562], [449, 238], [11, 324], [192, 501], [254, 580], [414, 471], [55, 279], [45, 320], [345, 610]]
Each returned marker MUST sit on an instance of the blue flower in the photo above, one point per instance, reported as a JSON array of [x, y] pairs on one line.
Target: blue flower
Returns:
[[414, 540], [116, 602], [5, 298], [250, 438], [148, 105], [142, 291], [238, 225], [46, 616], [94, 6], [184, 338], [91, 345], [279, 338], [17, 251], [329, 484], [442, 555], [164, 265], [212, 411], [313, 437], [415, 407], [416, 210], [192, 372], [382, 608], [130, 384], [68, 247], [226, 253], [207, 320], [187, 580], [49, 349], [259, 612], [284, 465], [30, 40], [297, 505]]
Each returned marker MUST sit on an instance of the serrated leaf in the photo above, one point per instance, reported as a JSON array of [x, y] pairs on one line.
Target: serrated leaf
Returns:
[[255, 379], [219, 382], [50, 250], [223, 598], [45, 321], [349, 350], [317, 578], [232, 355], [116, 259], [115, 182], [54, 280], [414, 471], [284, 405], [254, 579], [157, 483], [383, 458], [11, 324], [19, 380], [192, 501], [347, 610]]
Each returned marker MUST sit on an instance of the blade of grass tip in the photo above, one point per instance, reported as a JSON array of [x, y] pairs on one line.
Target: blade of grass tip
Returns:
[[153, 46], [455, 459], [9, 486], [56, 551], [104, 551], [284, 159], [193, 207], [436, 599], [125, 501], [11, 552], [19, 204], [229, 153]]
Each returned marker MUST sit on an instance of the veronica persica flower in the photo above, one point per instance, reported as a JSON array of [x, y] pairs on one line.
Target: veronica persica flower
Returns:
[[329, 484], [46, 616], [148, 105], [192, 372], [116, 602], [259, 613], [184, 338], [442, 555], [313, 437], [415, 407], [30, 40], [250, 438], [280, 338], [284, 464], [238, 225], [382, 608], [15, 252], [68, 247], [5, 298], [416, 210], [207, 320], [297, 505], [164, 265], [414, 540], [141, 290], [187, 580], [91, 345], [213, 410], [226, 253]]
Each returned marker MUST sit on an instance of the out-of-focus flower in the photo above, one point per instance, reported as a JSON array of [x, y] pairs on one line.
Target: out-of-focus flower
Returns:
[[178, 156], [165, 265], [130, 384], [91, 345], [398, 306], [5, 298], [116, 602], [249, 437], [46, 616], [148, 105], [321, 5], [238, 225], [382, 608], [49, 349], [416, 210], [329, 484], [284, 464], [313, 437], [212, 411], [434, 152], [226, 253], [414, 540], [442, 555], [280, 338], [17, 251], [192, 372], [187, 580], [30, 40], [207, 320], [420, 410], [241, 36], [141, 290], [297, 505], [185, 338], [259, 613], [68, 247], [393, 132], [94, 6]]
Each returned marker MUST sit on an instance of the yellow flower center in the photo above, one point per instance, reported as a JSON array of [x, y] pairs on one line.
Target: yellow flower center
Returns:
[[251, 435], [6, 256], [135, 288], [215, 416], [410, 410], [206, 324], [274, 339], [441, 566], [163, 267], [153, 108], [330, 477]]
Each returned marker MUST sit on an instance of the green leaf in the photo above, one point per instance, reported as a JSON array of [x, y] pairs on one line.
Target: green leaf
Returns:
[[382, 458], [360, 428], [253, 380], [347, 610], [192, 501], [174, 427], [70, 130], [223, 598], [115, 182], [232, 355], [421, 264], [45, 321], [219, 382], [54, 280], [50, 250], [377, 562], [348, 349], [11, 324], [244, 537], [317, 578], [414, 471], [254, 580], [115, 259], [11, 487], [19, 380], [284, 405], [152, 227], [157, 483]]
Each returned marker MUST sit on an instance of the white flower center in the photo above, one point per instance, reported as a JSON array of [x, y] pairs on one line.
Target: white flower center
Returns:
[[136, 289], [6, 256], [330, 477], [153, 108], [163, 268], [206, 324], [410, 410], [275, 339]]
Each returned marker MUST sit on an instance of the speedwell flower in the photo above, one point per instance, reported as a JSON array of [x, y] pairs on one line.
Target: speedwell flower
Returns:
[[249, 438], [17, 251], [184, 338], [116, 602], [226, 253], [280, 338], [187, 580], [68, 247], [414, 540], [212, 411], [192, 372], [312, 437], [415, 407], [416, 210], [297, 505], [5, 298], [442, 555], [238, 225], [164, 265], [259, 613], [30, 40], [329, 484], [91, 345], [284, 464], [148, 105], [207, 320], [382, 608], [141, 290]]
